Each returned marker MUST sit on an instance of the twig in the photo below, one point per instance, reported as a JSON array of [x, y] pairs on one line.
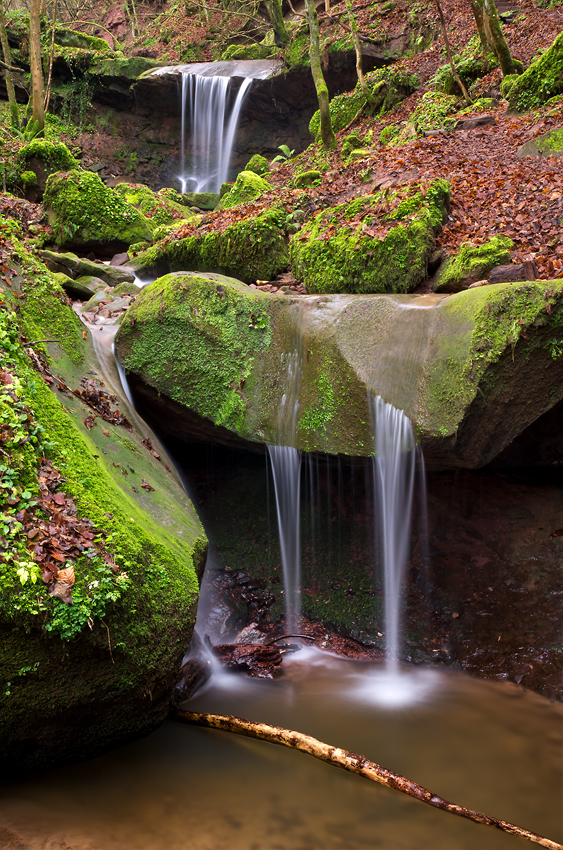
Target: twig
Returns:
[[10, 67], [37, 341], [353, 763], [109, 643], [284, 637]]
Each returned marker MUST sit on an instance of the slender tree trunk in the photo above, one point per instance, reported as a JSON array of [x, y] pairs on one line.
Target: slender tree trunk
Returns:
[[357, 46], [14, 114], [35, 61], [353, 763], [281, 35], [477, 9], [497, 38], [327, 133], [456, 76], [51, 54]]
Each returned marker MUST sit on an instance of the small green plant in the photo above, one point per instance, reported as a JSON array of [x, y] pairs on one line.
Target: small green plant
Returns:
[[285, 155], [555, 347]]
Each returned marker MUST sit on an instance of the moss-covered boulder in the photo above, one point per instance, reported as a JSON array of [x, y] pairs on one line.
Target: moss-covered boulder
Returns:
[[540, 82], [210, 357], [44, 158], [247, 187], [469, 67], [201, 200], [81, 267], [83, 212], [550, 144], [72, 38], [158, 207], [259, 164], [252, 249], [378, 243], [473, 263], [91, 667], [307, 179]]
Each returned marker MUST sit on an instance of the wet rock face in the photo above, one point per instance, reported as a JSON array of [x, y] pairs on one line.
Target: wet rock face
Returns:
[[488, 566], [211, 357]]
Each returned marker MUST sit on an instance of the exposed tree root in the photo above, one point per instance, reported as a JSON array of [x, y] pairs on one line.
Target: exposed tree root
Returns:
[[351, 762]]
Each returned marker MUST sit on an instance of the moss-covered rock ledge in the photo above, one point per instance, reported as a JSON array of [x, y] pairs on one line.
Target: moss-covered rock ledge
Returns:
[[79, 678], [210, 359]]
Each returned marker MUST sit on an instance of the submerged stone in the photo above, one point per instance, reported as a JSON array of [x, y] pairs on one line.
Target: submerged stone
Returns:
[[209, 358], [82, 267]]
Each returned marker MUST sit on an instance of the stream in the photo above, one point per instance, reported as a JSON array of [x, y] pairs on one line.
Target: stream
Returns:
[[492, 746]]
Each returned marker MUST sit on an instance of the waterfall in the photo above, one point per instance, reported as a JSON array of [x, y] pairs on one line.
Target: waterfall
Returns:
[[286, 470], [393, 472], [212, 129]]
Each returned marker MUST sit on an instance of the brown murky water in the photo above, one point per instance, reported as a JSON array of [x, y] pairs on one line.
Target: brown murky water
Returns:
[[487, 745]]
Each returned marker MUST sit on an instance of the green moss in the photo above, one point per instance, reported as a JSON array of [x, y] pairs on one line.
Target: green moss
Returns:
[[473, 263], [159, 208], [541, 81], [470, 67], [55, 156], [124, 636], [252, 249], [247, 187], [474, 330], [248, 51], [28, 178], [120, 66], [336, 252], [199, 339], [72, 38], [258, 164], [307, 178], [550, 144], [388, 87], [82, 210], [202, 200], [507, 83], [433, 111]]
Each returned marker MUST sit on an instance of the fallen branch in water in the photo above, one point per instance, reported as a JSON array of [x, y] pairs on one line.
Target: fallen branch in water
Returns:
[[351, 762]]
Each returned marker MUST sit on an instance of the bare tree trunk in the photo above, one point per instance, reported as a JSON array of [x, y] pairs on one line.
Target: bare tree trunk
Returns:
[[496, 37], [281, 35], [357, 46], [35, 61], [327, 134], [14, 114], [353, 763], [477, 9], [456, 76]]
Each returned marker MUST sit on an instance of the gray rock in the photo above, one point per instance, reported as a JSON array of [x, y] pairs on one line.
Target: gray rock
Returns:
[[109, 274], [550, 144]]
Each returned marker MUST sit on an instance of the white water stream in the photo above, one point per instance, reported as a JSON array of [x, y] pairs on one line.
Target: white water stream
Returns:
[[212, 125]]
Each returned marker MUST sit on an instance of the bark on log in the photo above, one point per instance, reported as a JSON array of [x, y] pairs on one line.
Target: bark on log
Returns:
[[353, 763]]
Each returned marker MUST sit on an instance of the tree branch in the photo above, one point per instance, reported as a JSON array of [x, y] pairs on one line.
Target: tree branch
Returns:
[[353, 763]]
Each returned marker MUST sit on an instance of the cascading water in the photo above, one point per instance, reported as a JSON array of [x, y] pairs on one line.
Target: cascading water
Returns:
[[286, 469], [212, 128], [393, 472]]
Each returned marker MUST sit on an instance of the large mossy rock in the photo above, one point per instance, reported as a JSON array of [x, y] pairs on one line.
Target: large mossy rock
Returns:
[[45, 158], [210, 359], [541, 81], [157, 206], [80, 678], [473, 263], [377, 243], [251, 249], [549, 144], [247, 187], [83, 212]]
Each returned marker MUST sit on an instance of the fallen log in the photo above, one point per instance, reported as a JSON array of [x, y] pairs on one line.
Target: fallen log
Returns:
[[351, 762]]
